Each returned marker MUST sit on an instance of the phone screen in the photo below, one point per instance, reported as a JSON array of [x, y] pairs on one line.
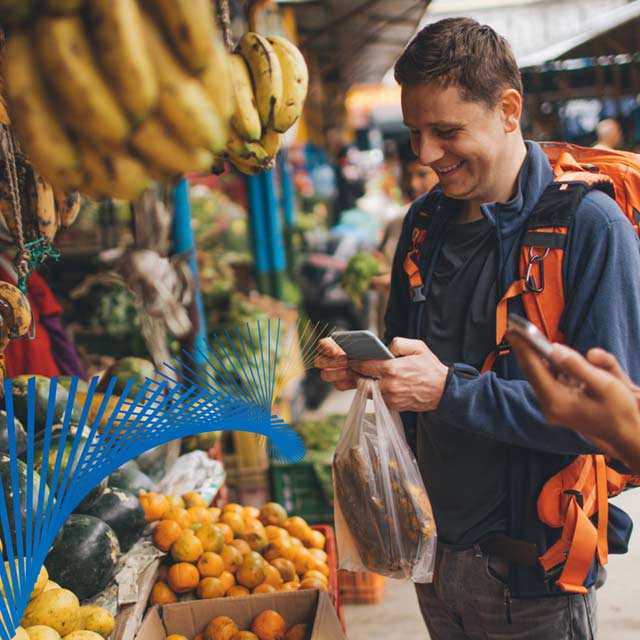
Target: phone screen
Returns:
[[531, 334], [362, 345]]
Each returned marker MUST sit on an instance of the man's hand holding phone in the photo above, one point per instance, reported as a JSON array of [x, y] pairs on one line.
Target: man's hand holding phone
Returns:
[[334, 366]]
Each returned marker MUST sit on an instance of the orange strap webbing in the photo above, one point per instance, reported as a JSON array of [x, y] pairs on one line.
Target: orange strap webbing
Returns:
[[411, 264]]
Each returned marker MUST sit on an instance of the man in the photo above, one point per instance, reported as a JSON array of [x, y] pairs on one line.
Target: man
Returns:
[[482, 444], [609, 134], [604, 405]]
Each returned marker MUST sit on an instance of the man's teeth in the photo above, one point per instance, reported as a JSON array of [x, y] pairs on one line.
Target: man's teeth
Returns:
[[449, 169]]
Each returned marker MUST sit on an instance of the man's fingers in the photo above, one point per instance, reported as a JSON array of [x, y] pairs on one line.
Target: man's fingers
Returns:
[[335, 375], [572, 364], [330, 362], [537, 373], [407, 347], [607, 361], [329, 347], [369, 368]]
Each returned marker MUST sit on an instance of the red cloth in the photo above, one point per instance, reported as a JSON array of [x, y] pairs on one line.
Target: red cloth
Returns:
[[26, 356]]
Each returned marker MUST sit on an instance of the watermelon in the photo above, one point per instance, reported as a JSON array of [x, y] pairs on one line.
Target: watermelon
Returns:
[[5, 475], [122, 511], [65, 381], [20, 387], [83, 556], [130, 478], [38, 452], [124, 369], [21, 435]]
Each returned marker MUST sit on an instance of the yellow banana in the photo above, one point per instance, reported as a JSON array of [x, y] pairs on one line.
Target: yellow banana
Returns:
[[241, 148], [4, 115], [7, 209], [67, 207], [155, 141], [246, 166], [45, 207], [111, 173], [264, 67], [218, 167], [191, 27], [184, 103], [15, 310], [70, 67], [245, 117], [271, 141], [116, 32], [295, 82], [217, 78], [35, 120]]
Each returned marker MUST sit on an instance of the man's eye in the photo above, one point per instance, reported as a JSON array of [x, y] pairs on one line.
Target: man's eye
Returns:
[[446, 133]]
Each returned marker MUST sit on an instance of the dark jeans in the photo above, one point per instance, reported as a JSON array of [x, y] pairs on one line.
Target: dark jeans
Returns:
[[469, 600]]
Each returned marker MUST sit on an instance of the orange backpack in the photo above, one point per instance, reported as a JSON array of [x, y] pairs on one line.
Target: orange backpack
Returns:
[[581, 490]]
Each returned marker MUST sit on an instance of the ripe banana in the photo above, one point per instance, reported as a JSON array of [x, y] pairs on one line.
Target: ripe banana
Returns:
[[184, 103], [218, 166], [116, 32], [241, 148], [155, 141], [217, 78], [86, 99], [15, 310], [271, 141], [245, 118], [45, 207], [191, 27], [67, 207], [35, 120], [246, 166], [111, 173], [266, 74], [295, 82]]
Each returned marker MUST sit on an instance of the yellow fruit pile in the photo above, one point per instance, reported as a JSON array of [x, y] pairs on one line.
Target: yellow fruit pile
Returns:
[[267, 625], [54, 613], [107, 95], [236, 551]]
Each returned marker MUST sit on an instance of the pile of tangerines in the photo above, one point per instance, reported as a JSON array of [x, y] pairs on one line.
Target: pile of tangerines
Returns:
[[233, 551]]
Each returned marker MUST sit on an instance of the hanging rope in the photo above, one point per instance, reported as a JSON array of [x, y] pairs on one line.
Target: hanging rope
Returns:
[[224, 17]]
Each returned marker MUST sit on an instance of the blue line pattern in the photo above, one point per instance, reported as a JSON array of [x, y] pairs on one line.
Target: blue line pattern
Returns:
[[230, 387]]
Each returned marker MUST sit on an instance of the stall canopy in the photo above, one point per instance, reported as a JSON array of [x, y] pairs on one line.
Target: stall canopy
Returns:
[[356, 41]]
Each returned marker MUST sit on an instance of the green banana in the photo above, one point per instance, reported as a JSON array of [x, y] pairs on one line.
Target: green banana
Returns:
[[36, 123], [266, 74], [116, 31], [295, 82], [70, 67]]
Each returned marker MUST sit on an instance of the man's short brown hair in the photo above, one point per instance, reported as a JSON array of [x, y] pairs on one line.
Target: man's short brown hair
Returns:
[[460, 52]]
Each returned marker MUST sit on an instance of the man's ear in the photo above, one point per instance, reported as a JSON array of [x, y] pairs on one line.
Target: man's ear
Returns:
[[510, 105]]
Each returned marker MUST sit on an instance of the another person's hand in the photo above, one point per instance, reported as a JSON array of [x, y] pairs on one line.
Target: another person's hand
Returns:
[[381, 283], [333, 365], [603, 405], [413, 381]]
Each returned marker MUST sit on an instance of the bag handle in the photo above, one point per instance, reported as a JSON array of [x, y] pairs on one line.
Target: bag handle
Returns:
[[564, 163]]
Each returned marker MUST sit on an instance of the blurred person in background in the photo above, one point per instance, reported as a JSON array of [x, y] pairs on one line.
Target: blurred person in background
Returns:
[[609, 134]]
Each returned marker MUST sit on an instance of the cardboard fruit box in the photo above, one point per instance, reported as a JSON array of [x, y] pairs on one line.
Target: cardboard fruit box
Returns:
[[190, 618]]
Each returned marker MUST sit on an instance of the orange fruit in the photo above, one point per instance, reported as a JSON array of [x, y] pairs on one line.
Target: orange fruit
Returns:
[[237, 590], [273, 513], [215, 513], [319, 555], [193, 499], [275, 533], [250, 512], [269, 625], [211, 537], [296, 542], [250, 573], [298, 527], [166, 533], [162, 571], [176, 501], [245, 635], [312, 583], [176, 636], [210, 565], [303, 561], [292, 585], [183, 577], [221, 628], [162, 594], [297, 632], [187, 548], [316, 540], [316, 575], [154, 505], [180, 515], [254, 533], [210, 588], [320, 567], [285, 568], [227, 531], [228, 579], [199, 515], [232, 558], [280, 548], [241, 545], [264, 588], [273, 576], [234, 521]]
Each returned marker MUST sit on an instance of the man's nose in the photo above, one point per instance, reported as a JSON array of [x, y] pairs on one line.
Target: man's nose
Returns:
[[429, 152]]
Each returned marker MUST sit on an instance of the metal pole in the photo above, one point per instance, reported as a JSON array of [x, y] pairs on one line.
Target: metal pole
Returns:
[[277, 260], [288, 208], [258, 233]]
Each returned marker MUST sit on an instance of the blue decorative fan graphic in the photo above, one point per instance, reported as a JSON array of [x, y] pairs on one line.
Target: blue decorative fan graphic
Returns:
[[233, 386]]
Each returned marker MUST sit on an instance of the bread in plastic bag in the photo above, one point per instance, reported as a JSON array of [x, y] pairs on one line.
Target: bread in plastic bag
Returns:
[[383, 517]]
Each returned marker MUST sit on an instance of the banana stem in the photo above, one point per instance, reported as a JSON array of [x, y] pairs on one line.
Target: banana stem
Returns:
[[224, 16]]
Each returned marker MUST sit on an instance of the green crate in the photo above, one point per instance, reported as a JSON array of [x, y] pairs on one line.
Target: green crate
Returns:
[[297, 488]]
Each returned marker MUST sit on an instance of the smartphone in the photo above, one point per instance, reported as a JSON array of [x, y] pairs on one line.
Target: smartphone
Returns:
[[362, 345], [531, 334]]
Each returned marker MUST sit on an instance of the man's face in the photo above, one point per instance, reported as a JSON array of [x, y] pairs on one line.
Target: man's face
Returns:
[[462, 141]]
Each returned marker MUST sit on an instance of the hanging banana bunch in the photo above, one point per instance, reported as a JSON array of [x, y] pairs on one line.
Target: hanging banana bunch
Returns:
[[106, 96], [15, 318]]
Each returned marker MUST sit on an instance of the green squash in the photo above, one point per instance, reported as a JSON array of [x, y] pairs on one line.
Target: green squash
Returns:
[[124, 369], [21, 434], [122, 511], [83, 556], [130, 478]]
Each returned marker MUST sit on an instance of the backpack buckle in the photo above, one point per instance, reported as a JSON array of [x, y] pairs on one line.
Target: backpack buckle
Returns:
[[503, 349], [529, 278], [417, 295]]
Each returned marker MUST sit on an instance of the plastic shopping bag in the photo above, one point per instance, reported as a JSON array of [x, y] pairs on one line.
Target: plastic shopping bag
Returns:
[[383, 517]]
